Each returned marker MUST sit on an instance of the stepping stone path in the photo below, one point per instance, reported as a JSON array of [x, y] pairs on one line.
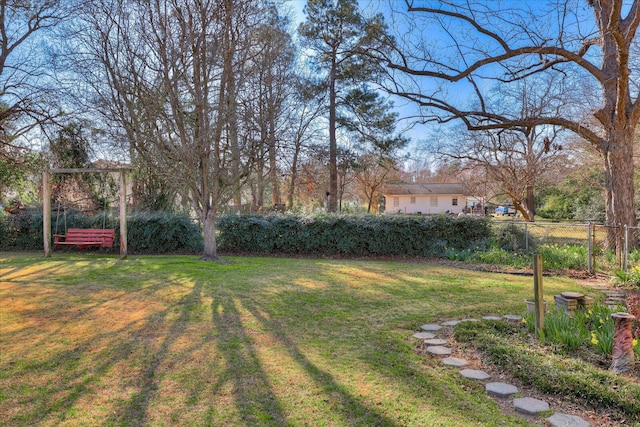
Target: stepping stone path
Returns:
[[530, 406], [435, 341], [438, 350], [564, 420], [513, 317], [474, 374], [424, 335], [500, 389], [455, 361], [450, 323], [524, 405]]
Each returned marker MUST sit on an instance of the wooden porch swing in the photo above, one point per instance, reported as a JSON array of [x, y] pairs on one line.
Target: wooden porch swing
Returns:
[[83, 237]]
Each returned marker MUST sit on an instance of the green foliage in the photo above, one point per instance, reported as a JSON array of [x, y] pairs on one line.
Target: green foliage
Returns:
[[17, 173], [555, 257], [162, 232], [570, 332], [152, 233], [22, 231], [563, 256], [579, 197], [602, 327], [350, 235], [631, 278], [498, 256], [512, 237], [551, 373]]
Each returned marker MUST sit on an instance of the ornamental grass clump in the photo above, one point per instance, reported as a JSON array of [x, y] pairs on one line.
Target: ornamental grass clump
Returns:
[[569, 332], [602, 328]]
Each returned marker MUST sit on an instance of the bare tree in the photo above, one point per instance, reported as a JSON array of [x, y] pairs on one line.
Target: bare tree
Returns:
[[515, 162], [25, 96], [372, 171], [474, 42], [271, 91], [175, 71]]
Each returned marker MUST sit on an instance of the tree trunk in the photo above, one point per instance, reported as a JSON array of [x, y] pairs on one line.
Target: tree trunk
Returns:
[[530, 202], [209, 229], [333, 144], [273, 166], [618, 175], [293, 174]]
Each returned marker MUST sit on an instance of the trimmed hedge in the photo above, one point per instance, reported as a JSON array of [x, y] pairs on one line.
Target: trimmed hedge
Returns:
[[147, 232], [351, 235]]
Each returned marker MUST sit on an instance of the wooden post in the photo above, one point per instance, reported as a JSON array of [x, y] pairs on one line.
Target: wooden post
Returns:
[[594, 249], [589, 248], [46, 213], [538, 295], [123, 216]]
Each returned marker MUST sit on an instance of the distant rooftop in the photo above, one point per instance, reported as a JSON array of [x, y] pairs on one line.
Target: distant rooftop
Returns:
[[417, 189]]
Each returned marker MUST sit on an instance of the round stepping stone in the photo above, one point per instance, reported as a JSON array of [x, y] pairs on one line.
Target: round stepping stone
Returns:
[[500, 389], [491, 317], [432, 327], [454, 361], [572, 295], [424, 335], [530, 406], [474, 374], [439, 350], [512, 317], [565, 420], [435, 341], [450, 323], [469, 320]]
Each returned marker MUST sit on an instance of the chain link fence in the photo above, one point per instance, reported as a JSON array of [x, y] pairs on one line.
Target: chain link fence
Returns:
[[601, 247]]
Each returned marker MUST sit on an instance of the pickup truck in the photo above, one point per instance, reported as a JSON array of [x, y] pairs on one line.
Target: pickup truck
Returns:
[[506, 209]]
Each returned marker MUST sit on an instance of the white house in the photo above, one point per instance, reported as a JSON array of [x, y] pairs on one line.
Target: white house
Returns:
[[424, 199]]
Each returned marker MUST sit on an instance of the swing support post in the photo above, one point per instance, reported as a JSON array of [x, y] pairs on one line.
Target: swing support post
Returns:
[[123, 216], [46, 213]]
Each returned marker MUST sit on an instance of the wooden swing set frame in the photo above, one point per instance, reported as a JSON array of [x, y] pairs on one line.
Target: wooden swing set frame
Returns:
[[46, 202]]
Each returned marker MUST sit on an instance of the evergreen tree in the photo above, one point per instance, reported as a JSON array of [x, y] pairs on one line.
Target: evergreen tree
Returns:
[[339, 37]]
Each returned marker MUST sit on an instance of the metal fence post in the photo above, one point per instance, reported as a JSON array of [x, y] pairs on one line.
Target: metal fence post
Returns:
[[526, 237], [619, 245]]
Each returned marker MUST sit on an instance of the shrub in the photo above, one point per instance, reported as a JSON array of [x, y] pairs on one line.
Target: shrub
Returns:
[[512, 237], [351, 235], [162, 232], [155, 232]]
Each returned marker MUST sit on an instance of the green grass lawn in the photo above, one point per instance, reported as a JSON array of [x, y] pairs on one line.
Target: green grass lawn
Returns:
[[170, 340]]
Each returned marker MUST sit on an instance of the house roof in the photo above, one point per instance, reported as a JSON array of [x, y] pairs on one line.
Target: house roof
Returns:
[[423, 189]]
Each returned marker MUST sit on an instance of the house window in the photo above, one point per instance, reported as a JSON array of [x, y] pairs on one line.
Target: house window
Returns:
[[434, 201], [396, 202], [454, 201], [413, 200]]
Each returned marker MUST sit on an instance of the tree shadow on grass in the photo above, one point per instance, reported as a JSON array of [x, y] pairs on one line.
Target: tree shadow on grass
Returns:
[[135, 412], [255, 400], [352, 409]]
